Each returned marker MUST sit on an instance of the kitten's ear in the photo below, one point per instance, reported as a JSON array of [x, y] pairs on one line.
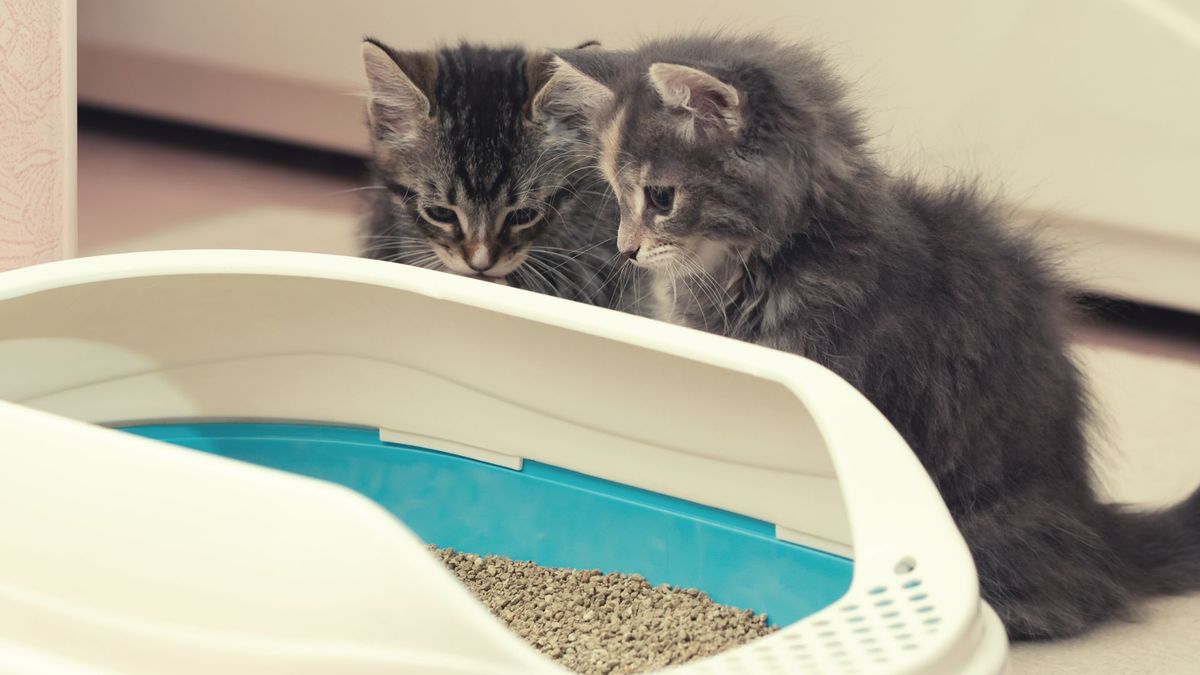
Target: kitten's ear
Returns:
[[398, 102], [569, 95], [706, 103]]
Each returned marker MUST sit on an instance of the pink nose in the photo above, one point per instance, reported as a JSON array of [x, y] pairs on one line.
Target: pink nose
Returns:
[[629, 239], [479, 257]]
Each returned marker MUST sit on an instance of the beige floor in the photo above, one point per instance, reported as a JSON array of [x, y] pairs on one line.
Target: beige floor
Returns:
[[136, 195]]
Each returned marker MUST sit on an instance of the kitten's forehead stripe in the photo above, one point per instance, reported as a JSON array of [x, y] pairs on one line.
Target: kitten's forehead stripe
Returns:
[[610, 147], [639, 193], [481, 95]]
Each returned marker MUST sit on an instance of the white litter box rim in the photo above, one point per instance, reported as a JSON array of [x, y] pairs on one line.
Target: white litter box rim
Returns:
[[894, 515]]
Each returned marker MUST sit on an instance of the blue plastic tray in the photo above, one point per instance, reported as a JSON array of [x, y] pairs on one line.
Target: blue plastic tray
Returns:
[[551, 516]]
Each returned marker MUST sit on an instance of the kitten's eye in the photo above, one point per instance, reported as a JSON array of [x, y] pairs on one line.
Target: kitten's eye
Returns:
[[521, 217], [661, 199], [440, 215]]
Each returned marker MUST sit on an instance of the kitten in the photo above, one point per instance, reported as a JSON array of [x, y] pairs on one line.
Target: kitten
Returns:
[[477, 174], [747, 191]]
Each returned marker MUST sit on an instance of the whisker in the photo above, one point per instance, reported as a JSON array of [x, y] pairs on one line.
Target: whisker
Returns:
[[356, 189]]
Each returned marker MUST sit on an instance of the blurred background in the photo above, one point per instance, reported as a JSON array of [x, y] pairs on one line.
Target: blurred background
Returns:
[[1080, 110], [222, 123]]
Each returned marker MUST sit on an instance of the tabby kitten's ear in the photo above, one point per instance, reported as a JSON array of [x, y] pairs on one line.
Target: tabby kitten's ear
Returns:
[[705, 104], [570, 96], [398, 104]]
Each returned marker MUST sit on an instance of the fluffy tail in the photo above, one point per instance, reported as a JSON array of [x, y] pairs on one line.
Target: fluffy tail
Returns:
[[1053, 567], [1162, 546]]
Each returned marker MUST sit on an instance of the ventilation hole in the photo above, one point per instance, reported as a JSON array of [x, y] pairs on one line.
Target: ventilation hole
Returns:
[[904, 636], [849, 608], [875, 650], [877, 590], [926, 608], [827, 633], [839, 654], [932, 620], [906, 565], [884, 602], [896, 626], [833, 643], [909, 647], [866, 629], [919, 597], [854, 619], [881, 659], [890, 615], [791, 637], [821, 622], [911, 584], [869, 640]]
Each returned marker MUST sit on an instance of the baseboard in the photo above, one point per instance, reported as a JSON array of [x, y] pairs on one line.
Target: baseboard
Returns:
[[238, 100]]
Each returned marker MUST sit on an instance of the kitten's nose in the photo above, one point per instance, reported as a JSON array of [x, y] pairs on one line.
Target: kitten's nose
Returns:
[[629, 240], [479, 258]]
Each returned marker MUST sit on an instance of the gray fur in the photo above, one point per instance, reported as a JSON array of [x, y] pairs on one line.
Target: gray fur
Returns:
[[794, 237], [457, 128]]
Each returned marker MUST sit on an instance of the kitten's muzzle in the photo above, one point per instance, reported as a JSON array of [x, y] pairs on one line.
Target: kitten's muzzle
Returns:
[[479, 257], [629, 240]]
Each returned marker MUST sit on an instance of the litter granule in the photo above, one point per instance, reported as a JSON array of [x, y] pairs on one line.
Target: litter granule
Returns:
[[603, 623]]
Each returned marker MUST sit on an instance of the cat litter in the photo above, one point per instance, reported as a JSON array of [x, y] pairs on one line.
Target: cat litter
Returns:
[[603, 623]]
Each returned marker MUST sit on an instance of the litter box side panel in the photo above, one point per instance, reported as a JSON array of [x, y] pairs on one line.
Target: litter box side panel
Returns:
[[457, 365], [122, 554]]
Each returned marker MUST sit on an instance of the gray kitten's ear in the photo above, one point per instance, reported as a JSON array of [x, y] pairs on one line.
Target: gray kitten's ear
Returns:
[[397, 102], [570, 95], [708, 104]]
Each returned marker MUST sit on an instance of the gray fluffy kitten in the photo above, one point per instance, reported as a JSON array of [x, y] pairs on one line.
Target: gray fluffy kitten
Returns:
[[480, 174], [746, 189]]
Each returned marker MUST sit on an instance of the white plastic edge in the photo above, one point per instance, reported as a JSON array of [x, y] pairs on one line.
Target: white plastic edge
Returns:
[[452, 447]]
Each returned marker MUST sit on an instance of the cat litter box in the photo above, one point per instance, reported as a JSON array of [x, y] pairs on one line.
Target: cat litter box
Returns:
[[164, 416]]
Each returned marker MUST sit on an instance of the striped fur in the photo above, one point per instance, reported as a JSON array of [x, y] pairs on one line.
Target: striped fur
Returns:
[[455, 131]]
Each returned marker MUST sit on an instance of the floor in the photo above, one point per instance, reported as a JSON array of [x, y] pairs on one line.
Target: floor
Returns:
[[137, 192]]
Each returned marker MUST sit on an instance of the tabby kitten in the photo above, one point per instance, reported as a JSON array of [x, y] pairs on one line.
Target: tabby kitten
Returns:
[[477, 173], [747, 191]]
